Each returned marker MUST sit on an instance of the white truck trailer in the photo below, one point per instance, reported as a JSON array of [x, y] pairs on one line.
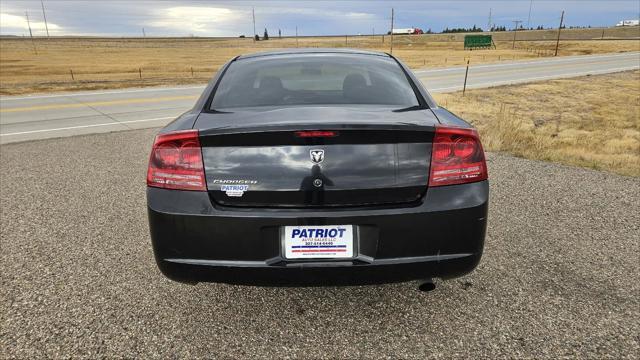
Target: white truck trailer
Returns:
[[629, 23]]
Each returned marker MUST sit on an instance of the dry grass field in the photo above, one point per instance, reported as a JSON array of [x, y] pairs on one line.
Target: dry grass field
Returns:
[[591, 121], [102, 63]]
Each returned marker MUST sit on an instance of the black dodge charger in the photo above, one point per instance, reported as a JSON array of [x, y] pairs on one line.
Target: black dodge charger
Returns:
[[316, 167]]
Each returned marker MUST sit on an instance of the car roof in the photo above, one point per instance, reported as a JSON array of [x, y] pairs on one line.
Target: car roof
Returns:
[[303, 51]]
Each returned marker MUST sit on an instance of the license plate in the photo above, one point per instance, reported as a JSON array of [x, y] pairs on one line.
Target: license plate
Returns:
[[313, 242]]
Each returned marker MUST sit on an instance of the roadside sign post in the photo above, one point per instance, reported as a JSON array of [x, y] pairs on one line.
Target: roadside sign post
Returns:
[[466, 73]]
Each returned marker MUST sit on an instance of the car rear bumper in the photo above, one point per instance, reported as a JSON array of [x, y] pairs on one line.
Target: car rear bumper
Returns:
[[196, 240]]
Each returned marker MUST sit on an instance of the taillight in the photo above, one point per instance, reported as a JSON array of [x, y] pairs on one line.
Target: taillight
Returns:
[[456, 157], [176, 162]]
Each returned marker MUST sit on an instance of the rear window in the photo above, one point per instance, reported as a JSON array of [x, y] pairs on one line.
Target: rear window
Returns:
[[314, 79]]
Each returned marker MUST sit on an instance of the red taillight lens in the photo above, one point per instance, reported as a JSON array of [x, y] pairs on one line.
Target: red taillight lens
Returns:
[[456, 157], [176, 162], [316, 133]]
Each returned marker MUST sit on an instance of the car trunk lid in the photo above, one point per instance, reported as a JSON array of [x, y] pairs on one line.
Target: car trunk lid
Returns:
[[349, 157]]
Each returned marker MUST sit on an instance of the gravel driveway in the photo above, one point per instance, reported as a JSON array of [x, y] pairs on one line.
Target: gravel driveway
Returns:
[[560, 275]]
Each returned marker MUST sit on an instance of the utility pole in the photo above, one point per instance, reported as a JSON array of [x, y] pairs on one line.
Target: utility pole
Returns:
[[29, 25], [296, 36], [391, 31], [489, 23], [44, 15], [31, 33], [559, 28], [529, 18], [253, 13], [144, 35], [515, 31]]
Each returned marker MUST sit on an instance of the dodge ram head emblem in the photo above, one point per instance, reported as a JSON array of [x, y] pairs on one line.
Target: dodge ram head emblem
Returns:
[[317, 155]]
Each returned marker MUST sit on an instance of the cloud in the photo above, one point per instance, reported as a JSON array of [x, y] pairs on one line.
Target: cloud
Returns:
[[230, 21], [318, 12], [12, 23], [320, 17], [197, 19]]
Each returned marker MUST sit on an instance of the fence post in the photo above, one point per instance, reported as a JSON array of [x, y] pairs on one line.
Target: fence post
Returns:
[[140, 72], [72, 78], [192, 71], [466, 73]]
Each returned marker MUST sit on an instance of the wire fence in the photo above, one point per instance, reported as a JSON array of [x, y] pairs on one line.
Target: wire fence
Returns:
[[191, 72], [75, 62]]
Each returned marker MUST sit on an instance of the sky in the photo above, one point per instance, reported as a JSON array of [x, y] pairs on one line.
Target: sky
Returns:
[[234, 18]]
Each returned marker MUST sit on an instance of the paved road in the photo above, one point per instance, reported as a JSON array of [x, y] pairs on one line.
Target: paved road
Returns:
[[45, 116], [560, 276]]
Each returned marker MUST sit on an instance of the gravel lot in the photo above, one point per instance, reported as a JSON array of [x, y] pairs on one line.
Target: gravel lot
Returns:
[[560, 276]]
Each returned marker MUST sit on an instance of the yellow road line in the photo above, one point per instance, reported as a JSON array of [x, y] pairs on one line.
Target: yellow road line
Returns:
[[99, 103]]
